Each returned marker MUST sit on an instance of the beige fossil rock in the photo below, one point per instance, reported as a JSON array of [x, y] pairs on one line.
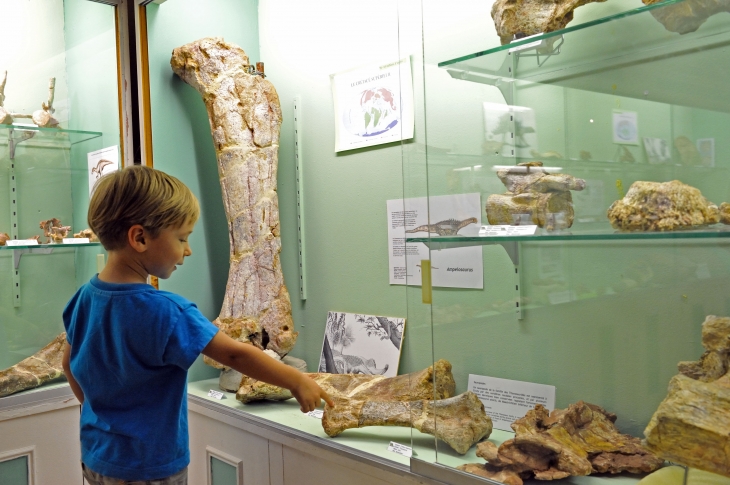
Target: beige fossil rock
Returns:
[[504, 475], [687, 16], [406, 387], [4, 236], [534, 197], [42, 367], [245, 119], [692, 424], [576, 441], [531, 17], [460, 421], [725, 213], [654, 206]]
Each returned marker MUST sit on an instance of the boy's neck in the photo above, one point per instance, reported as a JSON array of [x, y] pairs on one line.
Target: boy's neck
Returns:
[[122, 267]]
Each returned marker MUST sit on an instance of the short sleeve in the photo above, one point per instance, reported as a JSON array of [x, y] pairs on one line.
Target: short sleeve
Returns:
[[189, 336]]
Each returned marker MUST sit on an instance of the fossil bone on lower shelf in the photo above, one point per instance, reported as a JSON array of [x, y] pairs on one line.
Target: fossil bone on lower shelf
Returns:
[[42, 367], [460, 421]]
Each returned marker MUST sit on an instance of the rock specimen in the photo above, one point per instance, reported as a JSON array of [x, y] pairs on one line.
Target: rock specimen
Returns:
[[459, 421], [86, 233], [576, 441], [529, 17], [42, 367], [4, 236], [725, 213], [449, 227], [54, 230], [667, 206], [692, 424], [687, 16], [407, 387], [534, 197], [245, 118]]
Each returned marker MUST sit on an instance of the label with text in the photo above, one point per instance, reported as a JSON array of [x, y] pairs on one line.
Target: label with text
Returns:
[[216, 394], [21, 242], [317, 413], [400, 449], [506, 400], [76, 240], [502, 230]]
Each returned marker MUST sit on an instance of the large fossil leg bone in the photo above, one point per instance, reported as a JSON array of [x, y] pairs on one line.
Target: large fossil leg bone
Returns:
[[245, 118], [460, 421], [434, 382], [42, 367]]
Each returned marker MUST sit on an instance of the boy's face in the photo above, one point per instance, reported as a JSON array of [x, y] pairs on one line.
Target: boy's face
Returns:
[[168, 250]]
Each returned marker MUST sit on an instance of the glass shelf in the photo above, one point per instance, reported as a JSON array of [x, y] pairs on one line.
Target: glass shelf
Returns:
[[629, 54], [591, 232], [49, 135], [53, 246]]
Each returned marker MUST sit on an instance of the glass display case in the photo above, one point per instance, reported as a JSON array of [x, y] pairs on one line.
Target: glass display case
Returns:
[[568, 299]]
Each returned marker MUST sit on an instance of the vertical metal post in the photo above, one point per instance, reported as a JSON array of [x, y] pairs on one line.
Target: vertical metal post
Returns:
[[300, 196], [13, 191]]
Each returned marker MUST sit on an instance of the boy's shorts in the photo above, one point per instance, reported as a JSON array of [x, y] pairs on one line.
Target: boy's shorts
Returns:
[[93, 478]]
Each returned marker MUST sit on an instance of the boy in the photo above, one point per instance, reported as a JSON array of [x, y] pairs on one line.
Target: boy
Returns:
[[129, 346]]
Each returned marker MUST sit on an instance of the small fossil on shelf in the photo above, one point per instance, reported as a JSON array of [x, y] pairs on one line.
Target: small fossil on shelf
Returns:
[[86, 233], [3, 237], [54, 230], [42, 117]]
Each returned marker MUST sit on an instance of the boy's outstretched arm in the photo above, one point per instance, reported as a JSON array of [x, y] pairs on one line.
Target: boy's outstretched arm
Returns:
[[65, 362], [251, 361]]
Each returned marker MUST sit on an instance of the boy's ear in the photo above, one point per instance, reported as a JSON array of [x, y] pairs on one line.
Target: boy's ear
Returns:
[[137, 238]]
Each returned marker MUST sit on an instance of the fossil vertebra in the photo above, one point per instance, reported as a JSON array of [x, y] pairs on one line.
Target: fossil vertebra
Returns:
[[245, 119], [687, 16], [654, 206], [459, 421], [692, 424], [449, 227], [42, 367]]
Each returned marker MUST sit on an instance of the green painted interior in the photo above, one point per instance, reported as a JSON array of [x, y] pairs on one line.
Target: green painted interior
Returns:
[[51, 170], [222, 473], [14, 472], [182, 144]]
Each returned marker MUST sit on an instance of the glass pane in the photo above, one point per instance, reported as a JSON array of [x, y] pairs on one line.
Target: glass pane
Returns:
[[14, 472], [44, 172], [602, 314], [222, 473]]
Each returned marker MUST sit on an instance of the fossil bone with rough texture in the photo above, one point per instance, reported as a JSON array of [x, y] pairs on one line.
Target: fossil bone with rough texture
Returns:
[[692, 424], [654, 206], [531, 17], [576, 441], [687, 16], [460, 421], [245, 119], [407, 387], [542, 198], [42, 367]]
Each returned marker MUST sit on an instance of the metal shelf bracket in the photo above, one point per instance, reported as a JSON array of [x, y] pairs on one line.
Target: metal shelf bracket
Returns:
[[17, 254]]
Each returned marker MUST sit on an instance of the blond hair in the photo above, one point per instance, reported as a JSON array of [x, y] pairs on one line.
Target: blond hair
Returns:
[[138, 195]]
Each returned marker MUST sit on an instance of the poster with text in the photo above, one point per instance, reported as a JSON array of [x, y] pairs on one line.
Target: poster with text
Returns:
[[450, 215], [101, 162], [373, 105]]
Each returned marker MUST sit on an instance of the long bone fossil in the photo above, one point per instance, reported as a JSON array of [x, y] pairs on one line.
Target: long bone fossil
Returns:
[[42, 367], [245, 119]]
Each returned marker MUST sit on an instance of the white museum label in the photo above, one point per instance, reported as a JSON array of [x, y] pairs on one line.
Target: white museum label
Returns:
[[21, 242], [317, 413], [76, 240], [216, 394], [504, 230], [506, 400], [404, 450]]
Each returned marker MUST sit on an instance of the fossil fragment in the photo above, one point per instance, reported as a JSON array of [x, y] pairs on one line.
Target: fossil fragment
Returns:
[[86, 233], [4, 236], [42, 367], [725, 213], [654, 206], [530, 17], [54, 230], [687, 16], [504, 475], [449, 227], [533, 194], [245, 119], [407, 387], [42, 117], [460, 421], [692, 424], [576, 441], [5, 118]]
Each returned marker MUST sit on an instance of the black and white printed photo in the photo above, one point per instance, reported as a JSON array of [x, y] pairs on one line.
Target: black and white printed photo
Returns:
[[361, 344]]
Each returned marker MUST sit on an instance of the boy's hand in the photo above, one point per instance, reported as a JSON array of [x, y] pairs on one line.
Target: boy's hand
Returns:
[[309, 394]]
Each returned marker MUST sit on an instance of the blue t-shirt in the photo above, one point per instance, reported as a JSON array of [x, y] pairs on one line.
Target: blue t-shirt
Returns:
[[131, 347]]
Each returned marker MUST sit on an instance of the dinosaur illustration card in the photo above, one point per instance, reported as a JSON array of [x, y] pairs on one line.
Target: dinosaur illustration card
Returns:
[[451, 216], [101, 162], [361, 344]]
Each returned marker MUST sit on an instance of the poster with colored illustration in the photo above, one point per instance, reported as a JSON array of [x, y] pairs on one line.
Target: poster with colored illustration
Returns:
[[373, 105]]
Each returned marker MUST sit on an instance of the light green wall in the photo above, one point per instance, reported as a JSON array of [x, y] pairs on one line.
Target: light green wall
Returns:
[[182, 143]]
